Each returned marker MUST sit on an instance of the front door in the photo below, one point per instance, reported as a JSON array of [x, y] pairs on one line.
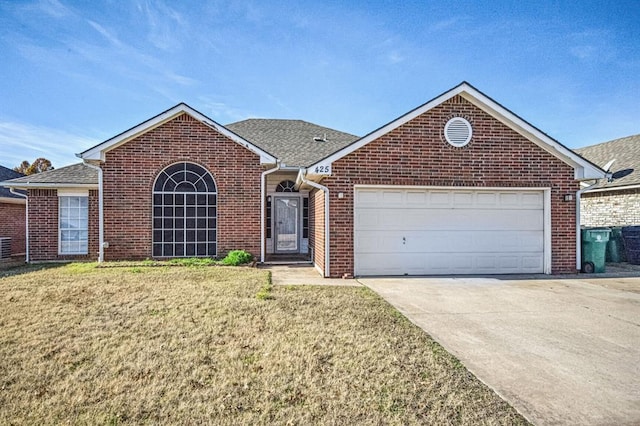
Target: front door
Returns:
[[287, 219]]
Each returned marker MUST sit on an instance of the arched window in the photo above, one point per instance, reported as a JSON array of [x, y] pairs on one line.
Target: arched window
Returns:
[[184, 212], [286, 186]]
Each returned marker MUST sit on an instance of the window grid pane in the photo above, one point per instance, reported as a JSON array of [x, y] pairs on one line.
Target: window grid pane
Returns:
[[305, 218], [73, 224], [184, 212]]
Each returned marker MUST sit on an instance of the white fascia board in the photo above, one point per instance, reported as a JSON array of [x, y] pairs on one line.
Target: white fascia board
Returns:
[[307, 175], [289, 168], [615, 188], [583, 169], [98, 151], [9, 200], [36, 185]]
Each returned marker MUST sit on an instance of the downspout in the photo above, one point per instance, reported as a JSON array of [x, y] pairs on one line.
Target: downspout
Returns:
[[324, 189], [26, 224], [578, 228], [263, 195], [100, 213]]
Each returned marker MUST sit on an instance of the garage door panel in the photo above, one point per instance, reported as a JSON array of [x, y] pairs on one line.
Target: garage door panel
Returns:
[[392, 197], [423, 231], [463, 199], [366, 197], [417, 198], [532, 199], [438, 264], [372, 242], [449, 242], [448, 219], [445, 263], [381, 264], [458, 199], [441, 199], [532, 262]]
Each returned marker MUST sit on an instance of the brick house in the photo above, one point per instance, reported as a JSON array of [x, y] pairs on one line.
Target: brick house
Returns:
[[613, 202], [459, 185], [12, 215]]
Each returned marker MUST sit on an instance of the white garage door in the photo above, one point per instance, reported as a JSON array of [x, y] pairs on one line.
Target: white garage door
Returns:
[[421, 231]]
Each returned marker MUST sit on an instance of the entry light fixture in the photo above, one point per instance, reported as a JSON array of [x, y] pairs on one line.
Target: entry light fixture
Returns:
[[568, 197]]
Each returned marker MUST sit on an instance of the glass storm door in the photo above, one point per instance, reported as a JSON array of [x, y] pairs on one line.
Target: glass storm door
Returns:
[[287, 217]]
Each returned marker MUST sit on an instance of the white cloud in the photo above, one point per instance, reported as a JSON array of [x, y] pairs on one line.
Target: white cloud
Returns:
[[592, 45], [106, 34], [165, 24], [21, 141], [448, 23], [180, 79], [52, 8], [222, 112]]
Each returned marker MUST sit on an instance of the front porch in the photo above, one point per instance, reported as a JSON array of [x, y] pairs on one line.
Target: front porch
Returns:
[[286, 221]]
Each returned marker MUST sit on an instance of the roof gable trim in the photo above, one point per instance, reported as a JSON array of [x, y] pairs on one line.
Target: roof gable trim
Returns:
[[98, 152], [583, 168]]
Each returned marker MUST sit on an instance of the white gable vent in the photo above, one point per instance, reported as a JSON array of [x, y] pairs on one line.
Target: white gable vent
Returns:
[[458, 132]]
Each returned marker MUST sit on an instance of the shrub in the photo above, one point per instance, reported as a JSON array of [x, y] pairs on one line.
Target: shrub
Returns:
[[237, 257]]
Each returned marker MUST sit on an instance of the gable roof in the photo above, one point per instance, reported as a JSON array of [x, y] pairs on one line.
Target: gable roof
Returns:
[[98, 152], [292, 141], [77, 176], [626, 153], [6, 174], [583, 169]]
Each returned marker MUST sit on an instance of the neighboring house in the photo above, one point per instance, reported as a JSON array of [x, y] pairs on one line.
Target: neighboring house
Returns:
[[613, 202], [12, 213], [459, 185]]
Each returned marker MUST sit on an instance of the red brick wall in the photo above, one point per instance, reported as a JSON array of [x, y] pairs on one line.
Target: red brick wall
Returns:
[[316, 227], [43, 226], [131, 169], [417, 154], [12, 225]]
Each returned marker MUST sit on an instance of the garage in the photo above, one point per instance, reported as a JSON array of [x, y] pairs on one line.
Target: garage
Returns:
[[442, 231]]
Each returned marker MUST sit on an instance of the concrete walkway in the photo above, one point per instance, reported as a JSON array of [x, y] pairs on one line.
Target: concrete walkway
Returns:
[[303, 274], [561, 351]]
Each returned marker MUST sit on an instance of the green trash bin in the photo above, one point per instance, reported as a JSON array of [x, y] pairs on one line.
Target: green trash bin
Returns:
[[615, 246], [594, 244]]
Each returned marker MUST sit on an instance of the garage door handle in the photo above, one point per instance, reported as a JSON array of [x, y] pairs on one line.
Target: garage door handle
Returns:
[[404, 240]]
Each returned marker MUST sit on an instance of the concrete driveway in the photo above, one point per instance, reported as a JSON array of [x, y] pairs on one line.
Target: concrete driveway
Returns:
[[561, 351]]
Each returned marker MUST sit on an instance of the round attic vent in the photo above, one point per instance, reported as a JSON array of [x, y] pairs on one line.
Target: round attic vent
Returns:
[[458, 132]]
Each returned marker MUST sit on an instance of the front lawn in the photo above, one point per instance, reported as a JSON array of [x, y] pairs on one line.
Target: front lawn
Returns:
[[193, 345]]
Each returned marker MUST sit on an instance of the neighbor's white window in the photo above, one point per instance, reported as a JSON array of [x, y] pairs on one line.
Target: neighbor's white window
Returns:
[[74, 224]]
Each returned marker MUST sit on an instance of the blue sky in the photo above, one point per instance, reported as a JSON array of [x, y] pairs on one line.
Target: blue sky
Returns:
[[75, 73]]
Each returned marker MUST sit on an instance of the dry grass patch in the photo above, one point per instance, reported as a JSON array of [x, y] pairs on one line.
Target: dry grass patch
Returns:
[[80, 344]]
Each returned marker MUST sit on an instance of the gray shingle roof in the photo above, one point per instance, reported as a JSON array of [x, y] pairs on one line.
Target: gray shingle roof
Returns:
[[6, 174], [292, 141], [626, 152], [76, 174]]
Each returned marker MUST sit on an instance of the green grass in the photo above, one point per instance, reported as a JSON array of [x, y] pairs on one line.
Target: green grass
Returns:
[[86, 345], [193, 261]]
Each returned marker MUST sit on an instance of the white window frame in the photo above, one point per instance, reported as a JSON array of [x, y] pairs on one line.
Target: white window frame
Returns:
[[64, 197]]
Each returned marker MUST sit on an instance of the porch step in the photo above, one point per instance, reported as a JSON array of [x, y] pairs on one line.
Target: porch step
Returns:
[[287, 262], [287, 259]]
